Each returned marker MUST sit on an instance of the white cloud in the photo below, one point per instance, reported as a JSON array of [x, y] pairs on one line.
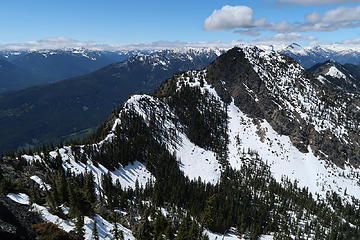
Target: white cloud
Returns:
[[61, 43], [250, 32], [341, 14], [315, 2], [51, 43], [240, 18], [313, 17], [284, 38], [229, 17]]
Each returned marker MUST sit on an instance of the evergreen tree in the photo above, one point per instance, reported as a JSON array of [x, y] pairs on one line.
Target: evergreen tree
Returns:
[[95, 234], [89, 188], [79, 227], [117, 233]]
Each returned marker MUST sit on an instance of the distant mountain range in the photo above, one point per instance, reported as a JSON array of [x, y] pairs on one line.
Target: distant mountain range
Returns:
[[23, 69], [75, 106], [310, 56], [31, 68]]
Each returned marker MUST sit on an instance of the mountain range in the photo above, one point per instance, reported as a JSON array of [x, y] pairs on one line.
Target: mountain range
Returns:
[[309, 56], [31, 68], [24, 69], [75, 106], [253, 146]]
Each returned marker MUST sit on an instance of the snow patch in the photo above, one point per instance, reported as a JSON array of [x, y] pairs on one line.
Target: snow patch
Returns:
[[126, 175], [335, 73], [43, 186], [104, 227], [197, 162], [66, 225], [21, 198]]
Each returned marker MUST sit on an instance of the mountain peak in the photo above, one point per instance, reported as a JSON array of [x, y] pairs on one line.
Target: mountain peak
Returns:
[[335, 75]]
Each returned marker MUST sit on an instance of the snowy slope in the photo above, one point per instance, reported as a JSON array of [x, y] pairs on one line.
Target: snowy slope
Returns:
[[104, 227], [334, 72], [126, 175], [284, 159], [191, 157], [43, 186], [337, 76]]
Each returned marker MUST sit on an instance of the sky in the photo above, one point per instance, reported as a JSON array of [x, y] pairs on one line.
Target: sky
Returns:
[[141, 23]]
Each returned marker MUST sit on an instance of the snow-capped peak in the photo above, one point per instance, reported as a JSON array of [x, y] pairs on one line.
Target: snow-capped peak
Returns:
[[296, 48]]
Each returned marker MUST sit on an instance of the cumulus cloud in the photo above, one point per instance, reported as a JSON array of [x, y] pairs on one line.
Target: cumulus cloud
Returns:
[[340, 14], [229, 17], [242, 21], [315, 2]]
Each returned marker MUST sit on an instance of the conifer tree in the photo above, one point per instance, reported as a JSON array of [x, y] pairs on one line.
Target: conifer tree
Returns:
[[95, 234], [89, 188], [79, 226], [117, 233]]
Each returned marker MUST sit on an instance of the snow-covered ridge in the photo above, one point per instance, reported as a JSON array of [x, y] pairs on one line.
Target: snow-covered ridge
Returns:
[[191, 157], [311, 55], [163, 58], [324, 50], [80, 52], [249, 138], [336, 73], [284, 159]]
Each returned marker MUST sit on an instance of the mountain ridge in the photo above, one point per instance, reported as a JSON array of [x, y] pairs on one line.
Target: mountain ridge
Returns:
[[219, 144], [309, 56], [77, 104]]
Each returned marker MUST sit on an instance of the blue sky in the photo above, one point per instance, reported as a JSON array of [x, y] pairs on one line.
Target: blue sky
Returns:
[[138, 21]]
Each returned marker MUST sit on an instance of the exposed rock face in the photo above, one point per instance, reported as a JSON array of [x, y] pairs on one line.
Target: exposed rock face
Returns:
[[16, 220], [274, 87]]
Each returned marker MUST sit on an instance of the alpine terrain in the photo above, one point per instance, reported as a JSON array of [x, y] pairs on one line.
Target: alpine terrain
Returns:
[[74, 107], [251, 147], [309, 56], [40, 67]]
